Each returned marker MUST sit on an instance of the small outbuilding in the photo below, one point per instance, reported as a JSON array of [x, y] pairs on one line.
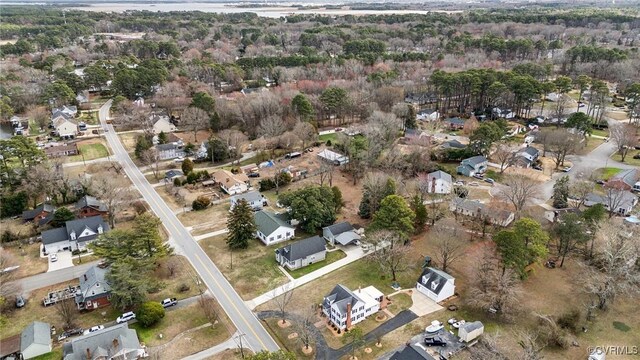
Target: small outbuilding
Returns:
[[470, 331], [35, 340]]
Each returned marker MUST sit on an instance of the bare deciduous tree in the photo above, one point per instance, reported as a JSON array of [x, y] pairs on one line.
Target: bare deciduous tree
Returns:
[[487, 348], [272, 126], [579, 191], [114, 191], [305, 326], [68, 312], [40, 115], [449, 239], [305, 132], [614, 198], [519, 190], [391, 254], [561, 143], [234, 139], [531, 345], [615, 273], [151, 159], [624, 137], [195, 119], [495, 287], [208, 306], [283, 301], [505, 155]]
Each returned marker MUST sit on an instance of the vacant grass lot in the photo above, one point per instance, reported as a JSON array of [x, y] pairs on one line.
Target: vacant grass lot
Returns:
[[90, 152], [331, 257], [605, 173], [174, 322], [629, 158], [28, 258], [215, 215], [254, 271]]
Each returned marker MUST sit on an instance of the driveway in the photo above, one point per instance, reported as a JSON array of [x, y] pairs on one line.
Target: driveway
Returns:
[[422, 305], [65, 260]]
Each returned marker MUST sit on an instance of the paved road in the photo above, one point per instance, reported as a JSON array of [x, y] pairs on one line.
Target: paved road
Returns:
[[54, 277], [245, 321]]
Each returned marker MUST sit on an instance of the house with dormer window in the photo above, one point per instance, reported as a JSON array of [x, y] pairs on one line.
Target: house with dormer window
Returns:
[[436, 284], [74, 235], [345, 308], [95, 291]]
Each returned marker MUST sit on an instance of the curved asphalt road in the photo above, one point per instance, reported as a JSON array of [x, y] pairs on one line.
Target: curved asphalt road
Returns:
[[245, 321]]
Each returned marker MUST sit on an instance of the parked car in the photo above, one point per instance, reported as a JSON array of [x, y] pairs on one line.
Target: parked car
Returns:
[[478, 176], [125, 317], [169, 302], [537, 167], [473, 183], [600, 182], [567, 168], [490, 181], [20, 301], [457, 324], [94, 329], [254, 175], [435, 341], [69, 333], [53, 257], [103, 264], [178, 159]]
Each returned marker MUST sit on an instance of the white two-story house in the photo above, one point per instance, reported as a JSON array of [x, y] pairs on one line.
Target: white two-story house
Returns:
[[345, 308], [271, 228], [439, 182], [75, 235]]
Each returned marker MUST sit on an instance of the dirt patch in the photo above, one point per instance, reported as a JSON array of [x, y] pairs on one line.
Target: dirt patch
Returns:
[[187, 136], [293, 335], [284, 324], [202, 219], [307, 350], [191, 343]]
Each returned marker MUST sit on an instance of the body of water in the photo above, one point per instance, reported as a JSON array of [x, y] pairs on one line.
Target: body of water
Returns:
[[6, 131], [273, 12]]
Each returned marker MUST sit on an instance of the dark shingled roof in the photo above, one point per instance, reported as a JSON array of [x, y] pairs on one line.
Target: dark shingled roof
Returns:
[[90, 201], [29, 215], [340, 296], [268, 222], [302, 248], [79, 225], [409, 353], [433, 279], [339, 228]]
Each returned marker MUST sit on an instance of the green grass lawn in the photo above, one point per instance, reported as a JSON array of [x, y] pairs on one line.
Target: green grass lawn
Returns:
[[597, 132], [629, 158], [90, 152], [55, 354], [173, 323], [331, 257], [495, 175], [606, 173], [400, 302], [325, 137]]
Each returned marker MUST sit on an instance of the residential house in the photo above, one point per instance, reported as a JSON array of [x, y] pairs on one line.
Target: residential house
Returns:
[[436, 284], [342, 233], [95, 291], [420, 98], [170, 137], [170, 151], [20, 126], [10, 348], [333, 157], [473, 165], [172, 174], [411, 353], [61, 150], [113, 343], [623, 201], [65, 126], [439, 182], [345, 308], [271, 228], [75, 235], [253, 198], [454, 123], [41, 215], [528, 156], [428, 115], [453, 144], [231, 183], [417, 136], [82, 98], [302, 253], [162, 124], [89, 206], [67, 109], [475, 208], [35, 340], [470, 331], [624, 180]]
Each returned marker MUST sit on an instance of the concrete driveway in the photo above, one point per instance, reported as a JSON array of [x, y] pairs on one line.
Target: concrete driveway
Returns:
[[65, 260], [422, 305]]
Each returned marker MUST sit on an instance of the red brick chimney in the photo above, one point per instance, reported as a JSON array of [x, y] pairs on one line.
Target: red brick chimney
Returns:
[[348, 315]]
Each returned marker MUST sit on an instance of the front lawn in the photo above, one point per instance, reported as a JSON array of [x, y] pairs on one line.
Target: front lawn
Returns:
[[332, 137], [598, 132], [399, 302], [629, 158], [606, 173], [331, 257], [292, 344], [252, 271], [90, 152]]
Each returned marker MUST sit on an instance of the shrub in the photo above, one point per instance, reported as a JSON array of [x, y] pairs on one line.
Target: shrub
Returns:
[[328, 142], [201, 203], [187, 166], [13, 204], [183, 288], [569, 320], [9, 236], [267, 184], [150, 313], [177, 182]]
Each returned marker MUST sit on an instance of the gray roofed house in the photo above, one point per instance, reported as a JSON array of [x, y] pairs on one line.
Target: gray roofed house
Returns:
[[94, 291], [115, 342], [436, 284], [345, 308], [254, 198], [171, 174], [439, 182], [342, 233], [453, 144], [473, 165], [409, 353], [75, 235], [90, 206], [271, 228], [454, 123], [623, 200], [35, 340], [624, 180], [302, 253], [170, 150], [40, 215], [475, 208]]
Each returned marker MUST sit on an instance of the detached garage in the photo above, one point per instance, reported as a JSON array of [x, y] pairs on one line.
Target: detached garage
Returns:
[[35, 340]]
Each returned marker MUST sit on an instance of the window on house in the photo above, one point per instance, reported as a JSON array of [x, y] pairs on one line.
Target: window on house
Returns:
[[271, 238], [288, 234], [279, 236]]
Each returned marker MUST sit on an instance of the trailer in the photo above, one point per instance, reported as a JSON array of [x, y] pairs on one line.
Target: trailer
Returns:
[[59, 295]]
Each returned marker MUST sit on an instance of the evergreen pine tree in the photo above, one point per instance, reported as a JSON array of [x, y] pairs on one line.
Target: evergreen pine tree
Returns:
[[561, 193], [418, 207], [241, 225]]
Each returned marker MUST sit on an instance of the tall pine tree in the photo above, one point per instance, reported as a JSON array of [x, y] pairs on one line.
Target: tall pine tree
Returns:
[[561, 193], [241, 225]]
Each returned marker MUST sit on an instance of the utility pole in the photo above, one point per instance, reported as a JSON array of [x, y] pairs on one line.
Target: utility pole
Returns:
[[239, 337]]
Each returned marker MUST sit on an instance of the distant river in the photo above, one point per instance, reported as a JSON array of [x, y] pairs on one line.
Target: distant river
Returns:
[[273, 12]]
